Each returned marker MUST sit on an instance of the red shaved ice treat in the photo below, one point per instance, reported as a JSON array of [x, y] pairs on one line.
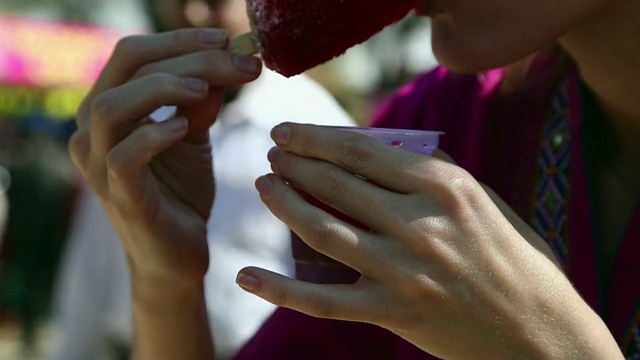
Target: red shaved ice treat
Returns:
[[293, 36]]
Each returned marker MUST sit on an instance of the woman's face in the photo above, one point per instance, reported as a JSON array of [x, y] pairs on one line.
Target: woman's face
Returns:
[[475, 35]]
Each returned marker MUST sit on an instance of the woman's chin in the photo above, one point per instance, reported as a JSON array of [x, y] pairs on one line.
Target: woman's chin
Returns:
[[463, 53], [472, 55], [469, 59]]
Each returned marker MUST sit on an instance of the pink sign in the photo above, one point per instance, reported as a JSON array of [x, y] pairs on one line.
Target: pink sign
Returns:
[[43, 53]]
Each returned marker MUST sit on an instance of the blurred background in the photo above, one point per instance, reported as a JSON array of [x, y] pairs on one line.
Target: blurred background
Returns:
[[50, 53]]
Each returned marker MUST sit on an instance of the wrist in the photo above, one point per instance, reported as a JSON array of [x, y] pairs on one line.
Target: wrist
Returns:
[[168, 277], [171, 323], [162, 292], [562, 325], [546, 318]]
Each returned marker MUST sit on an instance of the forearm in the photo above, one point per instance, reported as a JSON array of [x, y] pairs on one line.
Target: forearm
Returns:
[[171, 324]]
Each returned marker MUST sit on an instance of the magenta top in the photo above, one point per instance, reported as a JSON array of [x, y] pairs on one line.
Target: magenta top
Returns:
[[498, 137]]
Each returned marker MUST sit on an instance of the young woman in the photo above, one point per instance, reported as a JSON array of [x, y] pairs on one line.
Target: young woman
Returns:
[[449, 266]]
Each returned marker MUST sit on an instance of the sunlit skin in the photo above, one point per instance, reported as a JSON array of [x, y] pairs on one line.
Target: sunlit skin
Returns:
[[466, 277], [600, 35], [470, 36]]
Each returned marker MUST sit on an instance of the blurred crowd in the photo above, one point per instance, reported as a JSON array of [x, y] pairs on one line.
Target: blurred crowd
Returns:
[[56, 248]]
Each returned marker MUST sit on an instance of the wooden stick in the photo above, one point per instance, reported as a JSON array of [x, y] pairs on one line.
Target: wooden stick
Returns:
[[243, 45]]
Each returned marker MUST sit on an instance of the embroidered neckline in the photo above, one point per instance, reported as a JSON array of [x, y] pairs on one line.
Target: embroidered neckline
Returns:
[[552, 189]]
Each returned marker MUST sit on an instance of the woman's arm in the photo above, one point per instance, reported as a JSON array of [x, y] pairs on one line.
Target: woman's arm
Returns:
[[155, 180], [171, 324], [441, 265]]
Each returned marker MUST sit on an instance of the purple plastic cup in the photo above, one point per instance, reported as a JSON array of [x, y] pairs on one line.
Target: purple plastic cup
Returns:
[[416, 141], [312, 266]]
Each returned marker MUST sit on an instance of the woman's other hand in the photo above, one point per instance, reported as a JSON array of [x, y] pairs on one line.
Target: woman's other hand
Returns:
[[155, 179], [441, 266]]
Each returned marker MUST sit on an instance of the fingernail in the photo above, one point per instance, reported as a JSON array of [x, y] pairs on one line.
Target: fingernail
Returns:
[[195, 84], [248, 282], [213, 37], [280, 134], [264, 185], [178, 124], [249, 64]]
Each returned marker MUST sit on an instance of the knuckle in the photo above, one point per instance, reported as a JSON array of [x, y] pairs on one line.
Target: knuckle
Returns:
[[150, 136], [164, 82], [115, 165], [78, 147], [147, 138], [320, 237], [128, 46], [429, 231], [355, 153], [464, 187], [332, 184], [453, 185], [148, 69], [423, 287], [103, 106]]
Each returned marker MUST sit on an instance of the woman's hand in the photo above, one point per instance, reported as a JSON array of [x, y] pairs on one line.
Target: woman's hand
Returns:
[[441, 266], [155, 179], [530, 235]]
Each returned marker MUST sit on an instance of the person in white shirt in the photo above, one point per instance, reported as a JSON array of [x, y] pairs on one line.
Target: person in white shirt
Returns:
[[93, 314]]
